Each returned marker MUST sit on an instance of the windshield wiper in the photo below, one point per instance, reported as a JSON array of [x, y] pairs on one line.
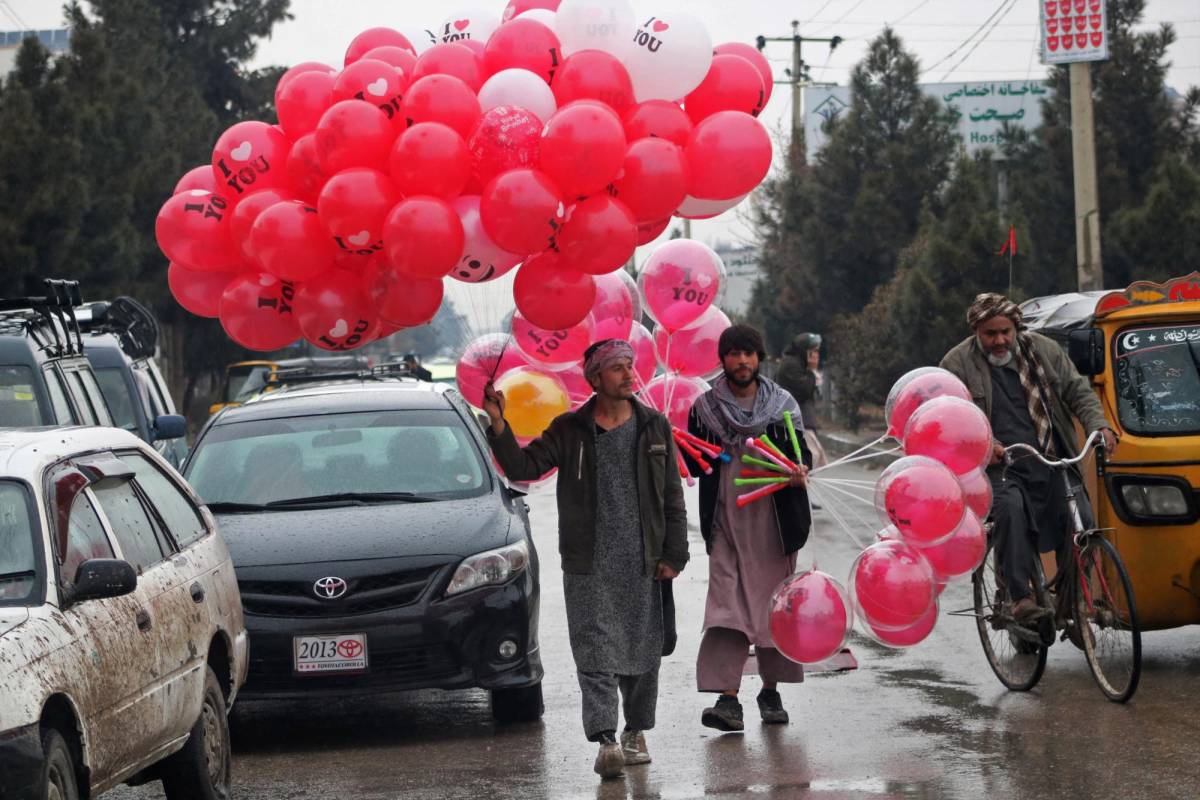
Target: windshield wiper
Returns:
[[352, 498], [222, 508], [15, 576]]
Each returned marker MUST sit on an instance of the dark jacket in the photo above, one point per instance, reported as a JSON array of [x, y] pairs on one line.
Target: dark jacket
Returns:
[[791, 505], [801, 382], [570, 445]]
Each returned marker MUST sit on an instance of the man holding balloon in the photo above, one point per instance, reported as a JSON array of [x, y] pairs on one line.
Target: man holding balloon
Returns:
[[622, 528], [751, 549]]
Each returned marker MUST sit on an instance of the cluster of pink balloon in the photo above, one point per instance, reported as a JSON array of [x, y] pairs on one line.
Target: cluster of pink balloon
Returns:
[[559, 138], [932, 503], [541, 370]]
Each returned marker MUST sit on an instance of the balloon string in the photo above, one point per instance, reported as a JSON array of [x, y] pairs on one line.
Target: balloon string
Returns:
[[839, 519], [846, 493], [500, 357], [865, 457], [854, 456]]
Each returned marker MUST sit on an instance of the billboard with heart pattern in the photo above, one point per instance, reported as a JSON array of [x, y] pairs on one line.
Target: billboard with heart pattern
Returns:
[[1074, 30]]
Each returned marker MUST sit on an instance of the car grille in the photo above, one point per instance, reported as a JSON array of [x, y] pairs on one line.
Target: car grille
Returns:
[[411, 666], [364, 595]]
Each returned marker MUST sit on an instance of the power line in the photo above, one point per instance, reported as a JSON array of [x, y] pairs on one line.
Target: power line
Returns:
[[818, 13], [838, 21], [980, 41], [16, 17], [968, 40], [911, 11]]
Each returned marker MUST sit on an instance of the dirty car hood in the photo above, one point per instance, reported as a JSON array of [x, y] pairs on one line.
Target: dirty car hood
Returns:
[[450, 527], [11, 618]]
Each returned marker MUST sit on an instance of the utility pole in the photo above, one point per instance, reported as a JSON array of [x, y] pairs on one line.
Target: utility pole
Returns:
[[1087, 195], [798, 75]]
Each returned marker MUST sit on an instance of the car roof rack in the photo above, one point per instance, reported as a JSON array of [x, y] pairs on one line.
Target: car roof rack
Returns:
[[309, 375], [131, 322], [48, 319]]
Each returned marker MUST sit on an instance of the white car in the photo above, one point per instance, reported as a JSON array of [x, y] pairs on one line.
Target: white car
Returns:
[[122, 643]]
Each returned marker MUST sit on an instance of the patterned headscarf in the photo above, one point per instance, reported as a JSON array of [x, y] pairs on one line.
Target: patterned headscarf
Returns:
[[991, 304], [605, 355]]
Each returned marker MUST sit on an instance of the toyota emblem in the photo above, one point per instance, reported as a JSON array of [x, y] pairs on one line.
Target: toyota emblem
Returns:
[[330, 588]]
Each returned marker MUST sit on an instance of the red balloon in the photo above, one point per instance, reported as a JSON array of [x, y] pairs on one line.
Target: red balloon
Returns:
[[288, 240], [424, 237], [654, 179], [583, 148], [594, 75], [248, 156], [660, 118], [200, 177], [300, 69], [922, 498], [732, 84], [376, 37], [305, 176], [892, 585], [909, 635], [977, 490], [442, 98], [756, 58], [506, 137], [600, 236], [376, 82], [961, 553], [336, 312], [398, 57], [198, 292], [914, 389], [523, 44], [552, 296], [246, 212], [451, 58], [353, 206], [477, 47], [353, 133], [649, 231], [728, 154], [192, 229], [430, 158], [256, 312], [517, 7], [810, 617], [301, 103], [553, 347], [951, 430], [522, 212], [408, 302]]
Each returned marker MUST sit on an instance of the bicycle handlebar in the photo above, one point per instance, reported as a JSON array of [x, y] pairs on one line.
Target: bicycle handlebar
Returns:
[[1052, 462]]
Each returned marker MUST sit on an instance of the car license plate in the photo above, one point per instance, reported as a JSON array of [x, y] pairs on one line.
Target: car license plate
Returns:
[[343, 652]]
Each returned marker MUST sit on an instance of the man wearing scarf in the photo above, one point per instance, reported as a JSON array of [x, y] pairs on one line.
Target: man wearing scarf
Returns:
[[750, 549], [622, 530], [1029, 390]]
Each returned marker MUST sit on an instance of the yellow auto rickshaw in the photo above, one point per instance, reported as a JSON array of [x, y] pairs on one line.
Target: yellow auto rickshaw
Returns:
[[1141, 348]]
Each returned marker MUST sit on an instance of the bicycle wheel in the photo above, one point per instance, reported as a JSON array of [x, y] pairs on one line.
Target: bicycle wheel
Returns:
[[1015, 651], [1107, 619]]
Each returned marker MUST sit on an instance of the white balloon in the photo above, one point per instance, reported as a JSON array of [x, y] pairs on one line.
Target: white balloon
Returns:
[[468, 23], [421, 38], [542, 15], [482, 259], [669, 54], [521, 88], [606, 25], [697, 208]]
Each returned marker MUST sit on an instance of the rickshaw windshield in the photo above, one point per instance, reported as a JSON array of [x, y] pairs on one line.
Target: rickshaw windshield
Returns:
[[1158, 380]]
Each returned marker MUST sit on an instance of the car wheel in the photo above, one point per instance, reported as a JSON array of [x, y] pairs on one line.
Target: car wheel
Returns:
[[59, 769], [202, 769], [517, 705]]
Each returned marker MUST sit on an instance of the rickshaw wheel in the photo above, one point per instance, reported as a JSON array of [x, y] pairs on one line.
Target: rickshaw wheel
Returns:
[[1111, 633], [1014, 651]]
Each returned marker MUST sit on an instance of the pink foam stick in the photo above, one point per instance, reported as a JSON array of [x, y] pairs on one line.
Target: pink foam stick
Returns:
[[759, 473], [767, 443], [708, 447], [696, 456], [758, 494], [769, 454]]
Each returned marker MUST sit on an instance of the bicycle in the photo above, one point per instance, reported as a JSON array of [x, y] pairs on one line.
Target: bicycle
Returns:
[[1090, 600]]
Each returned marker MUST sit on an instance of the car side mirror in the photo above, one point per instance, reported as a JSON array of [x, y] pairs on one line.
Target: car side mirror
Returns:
[[98, 578], [1086, 349], [169, 426]]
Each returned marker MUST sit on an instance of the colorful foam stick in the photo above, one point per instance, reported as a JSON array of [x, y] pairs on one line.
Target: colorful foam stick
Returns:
[[774, 448], [683, 470], [758, 494], [770, 455], [791, 429], [708, 447], [758, 462], [760, 481], [696, 456], [761, 473]]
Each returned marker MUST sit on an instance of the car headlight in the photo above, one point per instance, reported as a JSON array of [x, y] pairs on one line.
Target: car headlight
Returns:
[[1148, 500], [489, 568]]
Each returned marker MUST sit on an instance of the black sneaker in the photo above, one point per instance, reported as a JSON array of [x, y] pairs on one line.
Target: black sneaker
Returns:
[[770, 706], [726, 715]]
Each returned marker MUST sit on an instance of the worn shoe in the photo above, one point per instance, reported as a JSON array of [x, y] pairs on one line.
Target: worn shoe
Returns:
[[609, 760], [770, 706], [1024, 609], [726, 715], [633, 746]]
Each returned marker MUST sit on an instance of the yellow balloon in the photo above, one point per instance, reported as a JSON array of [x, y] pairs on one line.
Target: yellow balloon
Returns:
[[532, 400]]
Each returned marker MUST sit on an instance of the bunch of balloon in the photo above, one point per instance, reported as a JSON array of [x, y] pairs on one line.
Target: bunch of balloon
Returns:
[[547, 137]]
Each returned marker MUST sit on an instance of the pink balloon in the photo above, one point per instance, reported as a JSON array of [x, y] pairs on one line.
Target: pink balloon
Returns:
[[908, 636], [645, 360], [695, 208], [553, 347], [951, 430], [977, 491], [504, 138], [679, 281], [922, 498], [618, 305], [961, 553], [484, 359], [892, 586], [914, 389], [482, 260], [201, 177], [682, 392], [692, 351], [810, 617], [578, 389]]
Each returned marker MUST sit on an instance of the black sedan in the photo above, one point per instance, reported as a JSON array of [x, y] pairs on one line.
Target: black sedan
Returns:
[[376, 548]]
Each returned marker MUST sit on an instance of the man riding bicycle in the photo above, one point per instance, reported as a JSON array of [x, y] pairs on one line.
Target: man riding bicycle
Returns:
[[1029, 390]]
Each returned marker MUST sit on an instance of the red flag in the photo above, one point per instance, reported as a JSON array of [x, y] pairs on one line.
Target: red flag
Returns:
[[1010, 246]]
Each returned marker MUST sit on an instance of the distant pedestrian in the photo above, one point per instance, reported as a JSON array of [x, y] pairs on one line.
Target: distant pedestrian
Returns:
[[751, 549], [622, 528], [800, 374], [413, 365]]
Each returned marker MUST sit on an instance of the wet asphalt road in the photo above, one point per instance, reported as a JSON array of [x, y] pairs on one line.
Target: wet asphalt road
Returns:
[[930, 722]]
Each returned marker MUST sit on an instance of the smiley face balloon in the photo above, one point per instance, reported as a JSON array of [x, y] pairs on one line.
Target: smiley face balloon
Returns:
[[482, 259]]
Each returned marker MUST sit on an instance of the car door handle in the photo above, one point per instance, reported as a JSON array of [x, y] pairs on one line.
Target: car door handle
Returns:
[[197, 593], [143, 620]]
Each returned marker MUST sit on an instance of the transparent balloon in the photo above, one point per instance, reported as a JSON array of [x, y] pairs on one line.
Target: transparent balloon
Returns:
[[692, 351], [961, 553], [645, 360], [907, 636], [553, 347], [618, 305], [892, 586], [606, 25], [674, 396], [953, 431], [914, 389], [532, 399], [810, 617], [680, 281], [977, 490], [922, 498], [485, 358]]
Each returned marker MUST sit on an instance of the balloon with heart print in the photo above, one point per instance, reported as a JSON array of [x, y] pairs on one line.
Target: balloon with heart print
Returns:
[[695, 208], [682, 393], [305, 175], [431, 159], [247, 156], [505, 138], [302, 101], [288, 241], [423, 237], [442, 98], [482, 259], [692, 351], [606, 25], [649, 231], [353, 205], [518, 88], [653, 180], [376, 82], [247, 211], [516, 8], [450, 59], [553, 347], [550, 294], [617, 307], [468, 24], [953, 431], [728, 154], [198, 292], [663, 119], [409, 302], [583, 148], [192, 229], [594, 75], [891, 586], [600, 236], [810, 617], [524, 44], [335, 312], [670, 54], [398, 57], [353, 133], [376, 37], [732, 84], [200, 177], [522, 211], [756, 58], [256, 311], [680, 281]]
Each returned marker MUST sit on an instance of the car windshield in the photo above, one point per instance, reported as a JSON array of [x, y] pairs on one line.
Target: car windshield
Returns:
[[18, 559], [116, 394], [386, 456], [245, 381], [19, 406], [1158, 380]]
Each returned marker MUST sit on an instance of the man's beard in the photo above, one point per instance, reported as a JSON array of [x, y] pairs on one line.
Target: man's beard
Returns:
[[1000, 361], [729, 376]]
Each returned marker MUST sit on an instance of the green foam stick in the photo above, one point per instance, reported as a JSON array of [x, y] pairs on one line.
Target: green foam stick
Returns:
[[759, 462], [767, 440], [759, 481], [791, 429]]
